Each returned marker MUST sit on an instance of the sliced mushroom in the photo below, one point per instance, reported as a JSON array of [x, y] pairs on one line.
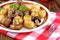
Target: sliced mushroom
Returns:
[[17, 12], [27, 13], [10, 13], [15, 27], [36, 20], [6, 21], [17, 23]]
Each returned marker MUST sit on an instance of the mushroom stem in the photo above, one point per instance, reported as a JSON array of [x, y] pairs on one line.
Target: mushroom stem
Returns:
[[37, 22]]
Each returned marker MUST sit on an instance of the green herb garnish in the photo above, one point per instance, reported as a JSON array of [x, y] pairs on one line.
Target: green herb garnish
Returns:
[[1, 9], [14, 6], [23, 8]]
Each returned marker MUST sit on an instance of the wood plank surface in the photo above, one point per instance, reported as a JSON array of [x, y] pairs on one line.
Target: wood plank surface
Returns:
[[50, 5], [4, 37]]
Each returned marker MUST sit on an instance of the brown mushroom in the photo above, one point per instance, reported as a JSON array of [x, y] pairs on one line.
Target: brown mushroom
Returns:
[[17, 12], [6, 21], [36, 20], [15, 27], [10, 13]]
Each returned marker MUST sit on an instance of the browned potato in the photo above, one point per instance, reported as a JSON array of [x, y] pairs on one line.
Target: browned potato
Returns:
[[29, 24], [1, 17], [42, 14], [3, 12], [27, 17], [34, 14], [8, 6], [36, 6], [29, 7], [6, 21], [17, 20], [15, 27]]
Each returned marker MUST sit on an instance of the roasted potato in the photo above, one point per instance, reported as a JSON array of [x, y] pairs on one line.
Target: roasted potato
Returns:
[[29, 24], [3, 12], [42, 14], [36, 6], [29, 7], [34, 14], [17, 20], [8, 6], [1, 17], [27, 17]]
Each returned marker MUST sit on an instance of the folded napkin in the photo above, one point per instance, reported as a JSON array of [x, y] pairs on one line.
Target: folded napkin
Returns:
[[46, 33]]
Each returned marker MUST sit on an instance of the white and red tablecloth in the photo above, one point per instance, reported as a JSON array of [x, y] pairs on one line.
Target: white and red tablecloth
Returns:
[[40, 34]]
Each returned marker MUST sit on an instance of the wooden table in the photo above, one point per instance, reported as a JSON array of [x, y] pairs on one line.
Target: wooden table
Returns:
[[50, 5]]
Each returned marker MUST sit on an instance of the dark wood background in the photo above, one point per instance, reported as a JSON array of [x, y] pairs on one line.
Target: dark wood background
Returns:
[[52, 6]]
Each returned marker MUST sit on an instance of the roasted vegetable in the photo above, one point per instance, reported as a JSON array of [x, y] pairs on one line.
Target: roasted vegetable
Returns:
[[23, 8], [29, 24], [10, 13], [6, 21], [3, 12], [27, 17], [8, 6], [17, 20], [20, 2], [42, 14], [1, 17], [17, 12], [15, 27], [34, 14], [15, 7], [1, 9], [37, 6], [36, 20]]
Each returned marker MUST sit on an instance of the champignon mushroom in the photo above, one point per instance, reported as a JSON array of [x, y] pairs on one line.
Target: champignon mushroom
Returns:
[[10, 13], [6, 21], [27, 13], [17, 12], [17, 23], [15, 27], [36, 20]]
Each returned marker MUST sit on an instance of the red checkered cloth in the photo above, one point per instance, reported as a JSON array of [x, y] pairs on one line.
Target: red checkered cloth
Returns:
[[40, 34]]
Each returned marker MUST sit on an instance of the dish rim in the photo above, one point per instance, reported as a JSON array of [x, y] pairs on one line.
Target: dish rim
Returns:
[[43, 25]]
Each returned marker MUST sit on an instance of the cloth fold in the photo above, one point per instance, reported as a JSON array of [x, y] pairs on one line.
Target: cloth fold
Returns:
[[40, 34]]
